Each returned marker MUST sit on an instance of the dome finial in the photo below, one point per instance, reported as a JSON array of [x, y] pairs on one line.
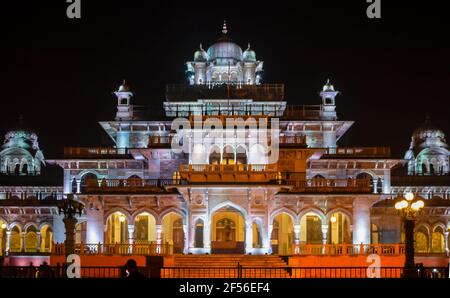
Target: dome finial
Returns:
[[201, 47], [224, 27], [248, 46]]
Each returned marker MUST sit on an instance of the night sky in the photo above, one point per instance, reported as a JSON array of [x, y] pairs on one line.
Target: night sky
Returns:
[[60, 73]]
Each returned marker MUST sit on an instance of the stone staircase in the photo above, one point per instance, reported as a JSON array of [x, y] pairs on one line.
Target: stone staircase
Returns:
[[226, 266]]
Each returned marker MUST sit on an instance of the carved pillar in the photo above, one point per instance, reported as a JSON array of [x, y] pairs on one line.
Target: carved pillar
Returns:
[[269, 237], [248, 236], [324, 237], [375, 184], [207, 236], [297, 238], [187, 234], [8, 240], [387, 181], [158, 238], [24, 237], [38, 235], [447, 249], [78, 185], [131, 234]]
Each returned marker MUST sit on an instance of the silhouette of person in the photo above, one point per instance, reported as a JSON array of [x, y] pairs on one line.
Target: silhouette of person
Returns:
[[130, 270]]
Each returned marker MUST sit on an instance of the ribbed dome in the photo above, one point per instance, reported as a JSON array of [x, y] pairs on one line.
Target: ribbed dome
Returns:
[[428, 130], [224, 50], [428, 135]]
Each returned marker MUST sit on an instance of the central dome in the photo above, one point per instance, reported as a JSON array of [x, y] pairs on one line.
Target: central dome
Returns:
[[225, 50]]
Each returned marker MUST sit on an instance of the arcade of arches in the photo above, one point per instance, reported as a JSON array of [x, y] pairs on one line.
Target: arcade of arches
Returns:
[[29, 239]]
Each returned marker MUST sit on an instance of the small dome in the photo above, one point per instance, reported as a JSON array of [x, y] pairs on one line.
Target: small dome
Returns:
[[200, 55], [124, 87], [328, 87], [249, 55]]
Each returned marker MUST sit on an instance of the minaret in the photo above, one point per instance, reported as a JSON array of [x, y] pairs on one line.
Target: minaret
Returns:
[[124, 108], [328, 95]]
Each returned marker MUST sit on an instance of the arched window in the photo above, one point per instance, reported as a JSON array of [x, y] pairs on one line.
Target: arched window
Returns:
[[31, 241], [117, 229], [438, 240], [421, 239], [310, 229], [88, 180], [46, 239], [15, 244]]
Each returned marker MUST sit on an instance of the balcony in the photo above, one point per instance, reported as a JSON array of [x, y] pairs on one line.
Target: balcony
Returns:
[[96, 152], [359, 152], [240, 173], [130, 185], [322, 185], [292, 141], [265, 92]]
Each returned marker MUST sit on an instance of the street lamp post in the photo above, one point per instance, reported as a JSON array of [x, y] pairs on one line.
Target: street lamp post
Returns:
[[70, 208], [409, 208]]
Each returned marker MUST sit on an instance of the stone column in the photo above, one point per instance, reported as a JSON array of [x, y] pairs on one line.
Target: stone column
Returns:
[[38, 248], [131, 234], [375, 184], [387, 181], [24, 237], [447, 249], [207, 236], [8, 241], [187, 234], [158, 237], [78, 185], [324, 237], [248, 237], [297, 238], [269, 237], [361, 221]]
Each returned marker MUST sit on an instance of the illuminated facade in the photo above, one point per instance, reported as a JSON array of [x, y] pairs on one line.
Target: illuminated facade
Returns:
[[222, 195]]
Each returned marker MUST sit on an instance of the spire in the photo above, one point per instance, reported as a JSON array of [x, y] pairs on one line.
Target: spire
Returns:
[[328, 86], [224, 27]]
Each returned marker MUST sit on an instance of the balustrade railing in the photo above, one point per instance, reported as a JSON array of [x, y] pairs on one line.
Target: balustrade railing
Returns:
[[130, 184], [348, 249], [229, 168], [327, 185], [150, 248]]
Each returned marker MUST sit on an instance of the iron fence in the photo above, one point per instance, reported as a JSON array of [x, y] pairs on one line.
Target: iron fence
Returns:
[[222, 272]]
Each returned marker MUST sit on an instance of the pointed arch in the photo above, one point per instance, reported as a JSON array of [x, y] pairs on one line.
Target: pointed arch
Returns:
[[230, 204], [286, 210]]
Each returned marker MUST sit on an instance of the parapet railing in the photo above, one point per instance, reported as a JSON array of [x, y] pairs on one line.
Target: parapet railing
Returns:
[[129, 185], [326, 185], [94, 151], [147, 249], [348, 249], [358, 151], [228, 168], [264, 92]]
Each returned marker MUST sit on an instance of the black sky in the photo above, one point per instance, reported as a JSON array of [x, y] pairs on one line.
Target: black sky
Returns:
[[60, 73]]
